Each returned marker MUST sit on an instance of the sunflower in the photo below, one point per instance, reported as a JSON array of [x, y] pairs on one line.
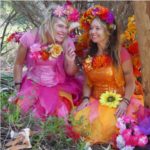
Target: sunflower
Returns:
[[111, 99]]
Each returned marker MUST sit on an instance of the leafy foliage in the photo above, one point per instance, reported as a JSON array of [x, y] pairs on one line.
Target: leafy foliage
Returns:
[[48, 134]]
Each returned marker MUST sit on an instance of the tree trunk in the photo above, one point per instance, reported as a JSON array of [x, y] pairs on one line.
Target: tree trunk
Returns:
[[142, 17]]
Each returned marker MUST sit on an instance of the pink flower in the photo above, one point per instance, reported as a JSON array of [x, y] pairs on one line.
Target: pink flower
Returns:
[[69, 9], [143, 140], [74, 16], [35, 55], [120, 142], [59, 11], [133, 141], [128, 119], [136, 130], [35, 47], [128, 148], [18, 35], [121, 124], [126, 134]]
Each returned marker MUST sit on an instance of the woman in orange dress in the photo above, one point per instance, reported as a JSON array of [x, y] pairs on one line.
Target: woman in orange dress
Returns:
[[108, 76]]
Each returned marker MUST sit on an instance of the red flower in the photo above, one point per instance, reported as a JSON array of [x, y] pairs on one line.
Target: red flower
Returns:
[[104, 14], [45, 55], [10, 38], [71, 133], [133, 48]]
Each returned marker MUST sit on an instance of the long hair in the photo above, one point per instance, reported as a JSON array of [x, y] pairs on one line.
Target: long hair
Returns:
[[111, 48], [48, 25]]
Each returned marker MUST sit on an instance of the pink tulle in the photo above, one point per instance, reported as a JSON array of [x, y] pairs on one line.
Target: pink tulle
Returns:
[[45, 101], [43, 82]]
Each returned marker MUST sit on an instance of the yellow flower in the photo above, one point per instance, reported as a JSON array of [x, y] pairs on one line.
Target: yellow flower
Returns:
[[88, 60], [110, 99], [88, 63], [131, 19], [122, 38], [131, 26], [56, 50]]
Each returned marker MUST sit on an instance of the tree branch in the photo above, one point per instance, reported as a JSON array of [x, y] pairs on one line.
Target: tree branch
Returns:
[[10, 17]]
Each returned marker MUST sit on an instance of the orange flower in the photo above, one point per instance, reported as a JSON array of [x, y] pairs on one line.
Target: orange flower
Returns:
[[138, 88], [131, 26], [136, 61], [136, 72], [130, 32], [127, 35], [101, 61], [82, 43], [56, 50]]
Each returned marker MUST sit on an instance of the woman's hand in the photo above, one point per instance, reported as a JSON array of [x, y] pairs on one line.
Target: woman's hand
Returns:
[[83, 105], [70, 55], [122, 109], [70, 66]]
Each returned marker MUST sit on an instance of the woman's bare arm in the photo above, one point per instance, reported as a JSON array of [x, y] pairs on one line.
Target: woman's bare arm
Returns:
[[18, 66]]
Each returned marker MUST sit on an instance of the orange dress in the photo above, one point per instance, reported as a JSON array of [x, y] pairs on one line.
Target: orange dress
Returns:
[[98, 122]]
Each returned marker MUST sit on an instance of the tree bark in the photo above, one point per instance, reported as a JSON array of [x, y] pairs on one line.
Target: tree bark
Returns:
[[142, 17]]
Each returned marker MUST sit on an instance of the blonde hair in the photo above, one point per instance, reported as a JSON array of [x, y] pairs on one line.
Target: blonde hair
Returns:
[[48, 25]]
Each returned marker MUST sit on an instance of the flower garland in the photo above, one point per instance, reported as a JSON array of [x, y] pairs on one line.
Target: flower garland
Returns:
[[97, 11], [130, 134], [128, 40], [110, 99], [67, 10], [96, 62], [45, 52]]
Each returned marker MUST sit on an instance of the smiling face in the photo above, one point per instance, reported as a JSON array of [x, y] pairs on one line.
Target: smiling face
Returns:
[[60, 30], [98, 32]]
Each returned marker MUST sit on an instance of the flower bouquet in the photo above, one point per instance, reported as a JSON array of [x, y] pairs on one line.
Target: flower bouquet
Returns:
[[131, 135]]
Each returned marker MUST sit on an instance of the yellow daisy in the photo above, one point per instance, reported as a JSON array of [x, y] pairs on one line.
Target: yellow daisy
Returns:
[[111, 99]]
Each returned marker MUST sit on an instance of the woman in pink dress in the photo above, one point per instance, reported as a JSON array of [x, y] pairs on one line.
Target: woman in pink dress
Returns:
[[49, 87]]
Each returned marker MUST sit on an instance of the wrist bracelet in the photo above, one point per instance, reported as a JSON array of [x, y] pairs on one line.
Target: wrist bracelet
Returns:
[[127, 101], [17, 83], [85, 97]]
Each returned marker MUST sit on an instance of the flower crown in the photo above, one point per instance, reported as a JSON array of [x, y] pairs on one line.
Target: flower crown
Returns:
[[97, 11], [67, 10]]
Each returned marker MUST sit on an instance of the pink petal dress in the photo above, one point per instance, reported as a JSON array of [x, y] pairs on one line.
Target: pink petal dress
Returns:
[[46, 89]]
